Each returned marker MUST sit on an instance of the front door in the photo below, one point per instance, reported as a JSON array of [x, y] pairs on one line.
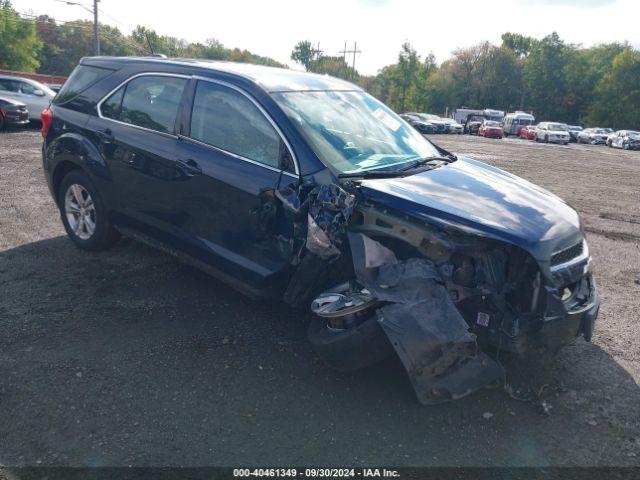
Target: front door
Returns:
[[234, 159]]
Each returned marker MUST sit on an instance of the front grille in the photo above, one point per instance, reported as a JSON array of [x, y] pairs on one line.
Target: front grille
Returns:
[[566, 255]]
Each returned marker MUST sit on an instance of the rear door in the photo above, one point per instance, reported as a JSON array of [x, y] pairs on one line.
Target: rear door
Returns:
[[135, 131], [233, 157]]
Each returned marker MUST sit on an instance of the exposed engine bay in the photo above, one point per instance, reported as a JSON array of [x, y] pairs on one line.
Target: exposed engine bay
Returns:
[[441, 296]]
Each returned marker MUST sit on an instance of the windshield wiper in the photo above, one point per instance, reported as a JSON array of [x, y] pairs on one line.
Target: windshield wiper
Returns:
[[373, 174], [401, 171], [428, 160]]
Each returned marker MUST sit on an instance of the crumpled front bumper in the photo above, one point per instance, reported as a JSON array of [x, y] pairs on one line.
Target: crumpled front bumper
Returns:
[[559, 325]]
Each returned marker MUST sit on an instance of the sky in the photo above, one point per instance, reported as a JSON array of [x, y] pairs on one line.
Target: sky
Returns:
[[272, 27]]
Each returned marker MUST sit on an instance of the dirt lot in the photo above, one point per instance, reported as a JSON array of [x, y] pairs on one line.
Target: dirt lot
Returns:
[[132, 358]]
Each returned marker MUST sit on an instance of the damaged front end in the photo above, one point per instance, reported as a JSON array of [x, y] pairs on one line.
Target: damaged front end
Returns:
[[441, 296]]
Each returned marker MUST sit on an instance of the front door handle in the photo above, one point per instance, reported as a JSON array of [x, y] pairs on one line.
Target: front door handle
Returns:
[[190, 167], [106, 135]]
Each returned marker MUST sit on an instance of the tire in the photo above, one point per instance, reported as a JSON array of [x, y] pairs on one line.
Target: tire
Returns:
[[1, 122], [94, 212], [352, 349], [546, 139]]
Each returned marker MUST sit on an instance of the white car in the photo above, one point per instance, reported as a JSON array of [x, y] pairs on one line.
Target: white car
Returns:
[[551, 132], [626, 139], [594, 136], [453, 126], [34, 95]]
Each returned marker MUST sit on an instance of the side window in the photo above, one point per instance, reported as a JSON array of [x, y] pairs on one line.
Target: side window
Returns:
[[27, 88], [9, 85], [82, 77], [149, 101], [110, 108], [225, 118]]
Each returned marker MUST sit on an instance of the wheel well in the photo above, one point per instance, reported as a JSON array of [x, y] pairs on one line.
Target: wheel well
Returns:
[[59, 173]]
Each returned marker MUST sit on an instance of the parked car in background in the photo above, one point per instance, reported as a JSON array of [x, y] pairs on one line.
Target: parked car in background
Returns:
[[594, 136], [452, 126], [472, 127], [551, 132], [56, 87], [437, 122], [513, 122], [625, 139], [574, 130], [35, 95], [419, 124], [528, 132], [490, 129], [12, 113]]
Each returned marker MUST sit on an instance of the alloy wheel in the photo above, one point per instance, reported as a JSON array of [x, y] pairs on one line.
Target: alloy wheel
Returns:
[[80, 211]]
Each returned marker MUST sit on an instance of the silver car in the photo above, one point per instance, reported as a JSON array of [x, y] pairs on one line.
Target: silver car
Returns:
[[626, 139], [35, 95], [594, 136], [550, 132]]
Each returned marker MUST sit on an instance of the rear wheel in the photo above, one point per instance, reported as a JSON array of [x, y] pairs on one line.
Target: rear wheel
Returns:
[[84, 214], [1, 121]]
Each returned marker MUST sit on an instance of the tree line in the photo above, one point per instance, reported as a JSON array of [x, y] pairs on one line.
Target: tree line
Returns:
[[554, 79], [43, 45]]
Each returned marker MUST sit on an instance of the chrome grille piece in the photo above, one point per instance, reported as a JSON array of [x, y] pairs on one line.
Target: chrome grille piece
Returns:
[[568, 254]]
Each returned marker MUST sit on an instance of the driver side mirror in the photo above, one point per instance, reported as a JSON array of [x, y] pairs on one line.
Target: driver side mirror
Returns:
[[38, 93]]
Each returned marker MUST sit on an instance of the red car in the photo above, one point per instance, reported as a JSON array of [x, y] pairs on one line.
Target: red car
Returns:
[[491, 129], [528, 132]]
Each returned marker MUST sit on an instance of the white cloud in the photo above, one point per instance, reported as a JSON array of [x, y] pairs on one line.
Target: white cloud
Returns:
[[379, 26]]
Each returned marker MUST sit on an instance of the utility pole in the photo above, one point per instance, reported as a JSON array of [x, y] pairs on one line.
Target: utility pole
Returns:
[[94, 11], [317, 52], [96, 37], [355, 51]]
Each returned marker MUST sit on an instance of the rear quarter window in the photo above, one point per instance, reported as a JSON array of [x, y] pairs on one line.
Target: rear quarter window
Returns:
[[82, 77]]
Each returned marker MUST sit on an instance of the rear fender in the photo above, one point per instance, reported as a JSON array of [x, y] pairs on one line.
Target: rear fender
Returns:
[[72, 150]]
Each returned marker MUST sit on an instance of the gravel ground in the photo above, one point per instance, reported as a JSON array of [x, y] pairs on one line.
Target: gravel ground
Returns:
[[131, 358]]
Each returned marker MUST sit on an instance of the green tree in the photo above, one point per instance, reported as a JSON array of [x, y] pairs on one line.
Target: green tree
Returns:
[[617, 94], [19, 45], [334, 66], [303, 53], [519, 44], [545, 78]]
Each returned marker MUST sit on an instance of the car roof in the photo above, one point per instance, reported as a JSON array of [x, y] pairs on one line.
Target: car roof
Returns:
[[11, 101], [22, 79], [272, 79]]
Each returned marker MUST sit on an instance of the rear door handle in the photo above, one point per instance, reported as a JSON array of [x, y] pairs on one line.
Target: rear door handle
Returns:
[[190, 166]]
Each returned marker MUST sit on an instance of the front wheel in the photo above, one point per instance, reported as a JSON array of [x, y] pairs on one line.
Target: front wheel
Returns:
[[84, 214], [350, 349]]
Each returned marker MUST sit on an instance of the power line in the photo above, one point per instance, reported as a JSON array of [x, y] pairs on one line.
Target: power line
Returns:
[[75, 24]]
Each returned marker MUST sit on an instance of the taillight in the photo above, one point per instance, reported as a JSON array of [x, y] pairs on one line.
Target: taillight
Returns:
[[46, 116]]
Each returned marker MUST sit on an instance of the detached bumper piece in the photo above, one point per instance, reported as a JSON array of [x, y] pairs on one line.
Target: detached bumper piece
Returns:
[[423, 325]]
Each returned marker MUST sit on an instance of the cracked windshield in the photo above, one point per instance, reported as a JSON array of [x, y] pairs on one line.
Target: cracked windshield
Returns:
[[353, 131]]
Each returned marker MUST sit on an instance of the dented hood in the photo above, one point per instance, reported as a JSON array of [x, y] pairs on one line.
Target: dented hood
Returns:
[[483, 200]]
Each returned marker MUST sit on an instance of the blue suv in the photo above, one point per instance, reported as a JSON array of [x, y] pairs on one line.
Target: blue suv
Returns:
[[302, 187]]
